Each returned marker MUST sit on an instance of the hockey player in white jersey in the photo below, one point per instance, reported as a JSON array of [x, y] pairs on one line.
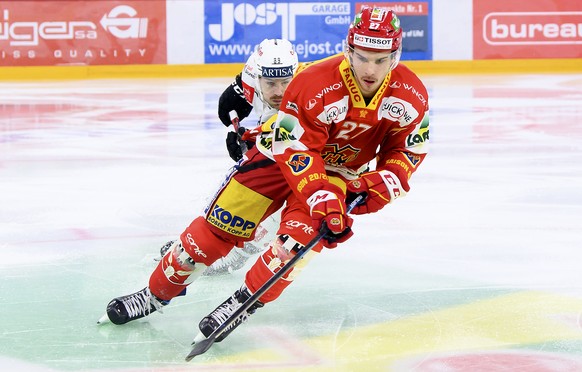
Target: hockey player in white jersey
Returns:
[[251, 90]]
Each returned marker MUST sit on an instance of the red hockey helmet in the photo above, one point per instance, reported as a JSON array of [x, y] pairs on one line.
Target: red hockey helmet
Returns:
[[377, 30]]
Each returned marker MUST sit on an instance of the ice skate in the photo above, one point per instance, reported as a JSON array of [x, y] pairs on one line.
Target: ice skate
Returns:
[[233, 261], [131, 307], [213, 320], [165, 250]]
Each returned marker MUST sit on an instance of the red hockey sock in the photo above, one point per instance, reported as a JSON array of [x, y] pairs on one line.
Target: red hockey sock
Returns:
[[268, 264], [198, 248]]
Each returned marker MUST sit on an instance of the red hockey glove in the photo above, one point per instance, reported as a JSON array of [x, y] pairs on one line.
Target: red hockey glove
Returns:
[[329, 208], [380, 187]]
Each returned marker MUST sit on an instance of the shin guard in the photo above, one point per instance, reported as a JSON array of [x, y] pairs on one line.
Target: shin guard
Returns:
[[174, 272], [197, 248]]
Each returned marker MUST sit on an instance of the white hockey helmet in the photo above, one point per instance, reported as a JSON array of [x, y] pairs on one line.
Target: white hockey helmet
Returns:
[[275, 58]]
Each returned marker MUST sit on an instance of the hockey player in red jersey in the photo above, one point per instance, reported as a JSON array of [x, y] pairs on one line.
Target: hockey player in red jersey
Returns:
[[338, 117]]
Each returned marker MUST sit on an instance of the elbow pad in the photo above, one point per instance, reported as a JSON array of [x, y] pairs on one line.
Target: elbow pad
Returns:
[[233, 99]]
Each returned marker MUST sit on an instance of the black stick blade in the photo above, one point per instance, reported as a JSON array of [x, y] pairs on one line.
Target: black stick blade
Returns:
[[200, 348]]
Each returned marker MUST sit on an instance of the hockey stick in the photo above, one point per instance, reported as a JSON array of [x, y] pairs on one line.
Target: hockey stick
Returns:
[[235, 123], [202, 346]]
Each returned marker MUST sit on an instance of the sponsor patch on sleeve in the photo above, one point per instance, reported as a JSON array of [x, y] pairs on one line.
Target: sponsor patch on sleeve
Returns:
[[299, 163]]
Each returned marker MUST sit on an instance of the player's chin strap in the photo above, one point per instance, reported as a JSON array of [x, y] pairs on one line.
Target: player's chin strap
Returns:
[[202, 346]]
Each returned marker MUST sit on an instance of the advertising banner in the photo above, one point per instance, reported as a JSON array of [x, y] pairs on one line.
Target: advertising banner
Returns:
[[416, 22], [317, 29], [234, 28], [48, 33], [527, 29]]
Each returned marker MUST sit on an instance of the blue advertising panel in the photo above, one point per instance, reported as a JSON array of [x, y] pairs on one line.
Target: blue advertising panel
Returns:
[[317, 29], [234, 28]]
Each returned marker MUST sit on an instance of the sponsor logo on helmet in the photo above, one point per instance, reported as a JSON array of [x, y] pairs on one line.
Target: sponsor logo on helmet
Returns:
[[378, 14], [277, 72], [373, 42]]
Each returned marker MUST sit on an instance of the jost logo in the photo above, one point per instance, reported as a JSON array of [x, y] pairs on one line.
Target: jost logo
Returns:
[[265, 14]]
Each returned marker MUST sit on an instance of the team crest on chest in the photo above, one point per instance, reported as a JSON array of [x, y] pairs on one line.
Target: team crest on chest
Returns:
[[333, 154]]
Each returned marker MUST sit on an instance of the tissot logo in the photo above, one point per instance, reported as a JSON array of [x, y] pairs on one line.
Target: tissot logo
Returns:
[[532, 28], [372, 42]]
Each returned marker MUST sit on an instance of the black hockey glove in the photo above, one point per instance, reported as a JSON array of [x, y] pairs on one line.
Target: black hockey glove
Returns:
[[233, 98], [234, 144]]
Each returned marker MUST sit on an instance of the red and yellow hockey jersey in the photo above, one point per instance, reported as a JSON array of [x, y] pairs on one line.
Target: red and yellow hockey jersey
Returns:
[[324, 125]]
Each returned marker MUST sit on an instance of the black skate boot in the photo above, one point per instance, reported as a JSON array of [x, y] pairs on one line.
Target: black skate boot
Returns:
[[131, 307], [213, 320]]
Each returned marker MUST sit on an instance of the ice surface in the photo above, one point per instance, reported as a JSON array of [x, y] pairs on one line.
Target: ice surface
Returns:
[[479, 263]]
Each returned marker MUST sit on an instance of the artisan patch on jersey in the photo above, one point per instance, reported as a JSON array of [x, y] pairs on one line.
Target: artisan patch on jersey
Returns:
[[238, 210], [396, 109], [299, 163], [335, 111], [418, 139]]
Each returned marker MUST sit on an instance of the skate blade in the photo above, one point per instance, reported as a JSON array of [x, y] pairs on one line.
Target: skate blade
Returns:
[[199, 337], [103, 319]]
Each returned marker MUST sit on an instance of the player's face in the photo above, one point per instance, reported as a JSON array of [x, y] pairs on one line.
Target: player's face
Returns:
[[273, 90], [370, 69]]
